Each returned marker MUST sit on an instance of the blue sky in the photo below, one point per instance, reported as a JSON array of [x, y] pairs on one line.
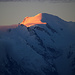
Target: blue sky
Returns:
[[15, 12]]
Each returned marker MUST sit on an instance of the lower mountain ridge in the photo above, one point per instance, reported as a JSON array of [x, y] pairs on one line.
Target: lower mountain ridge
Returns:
[[40, 45]]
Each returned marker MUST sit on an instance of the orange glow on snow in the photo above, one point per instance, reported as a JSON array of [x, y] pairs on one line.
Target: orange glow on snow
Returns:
[[30, 21]]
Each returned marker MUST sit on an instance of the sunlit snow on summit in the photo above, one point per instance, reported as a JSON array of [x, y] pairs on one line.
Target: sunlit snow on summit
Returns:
[[30, 21]]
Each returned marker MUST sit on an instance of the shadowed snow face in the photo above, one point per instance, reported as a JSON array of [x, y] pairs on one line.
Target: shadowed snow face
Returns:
[[30, 21]]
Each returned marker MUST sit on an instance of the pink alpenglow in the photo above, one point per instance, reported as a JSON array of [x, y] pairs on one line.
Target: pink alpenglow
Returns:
[[30, 21]]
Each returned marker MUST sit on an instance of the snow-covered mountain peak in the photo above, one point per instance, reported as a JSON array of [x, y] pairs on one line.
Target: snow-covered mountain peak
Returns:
[[41, 18], [40, 45]]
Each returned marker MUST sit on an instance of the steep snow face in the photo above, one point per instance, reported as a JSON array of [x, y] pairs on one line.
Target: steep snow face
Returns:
[[39, 49], [30, 21]]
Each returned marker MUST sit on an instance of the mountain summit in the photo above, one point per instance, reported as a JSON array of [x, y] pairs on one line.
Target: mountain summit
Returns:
[[41, 18], [30, 21], [40, 45]]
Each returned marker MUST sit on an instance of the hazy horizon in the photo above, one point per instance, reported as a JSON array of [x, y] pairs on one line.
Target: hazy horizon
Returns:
[[15, 12]]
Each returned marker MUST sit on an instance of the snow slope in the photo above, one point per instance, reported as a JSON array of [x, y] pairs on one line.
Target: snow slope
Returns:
[[40, 45]]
